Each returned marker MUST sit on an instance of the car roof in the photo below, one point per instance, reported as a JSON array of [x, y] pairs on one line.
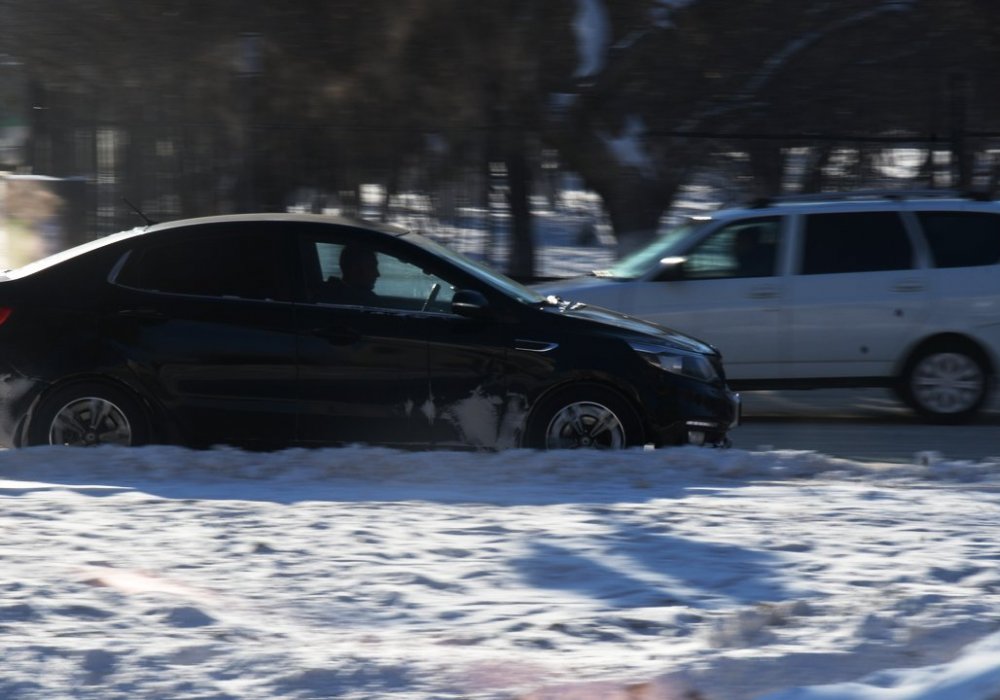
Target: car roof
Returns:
[[279, 217], [110, 239], [857, 201]]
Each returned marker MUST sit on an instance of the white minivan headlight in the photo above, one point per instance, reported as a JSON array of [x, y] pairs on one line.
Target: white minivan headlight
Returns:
[[676, 362]]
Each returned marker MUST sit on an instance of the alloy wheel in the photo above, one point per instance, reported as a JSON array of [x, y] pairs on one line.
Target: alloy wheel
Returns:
[[585, 424], [90, 421]]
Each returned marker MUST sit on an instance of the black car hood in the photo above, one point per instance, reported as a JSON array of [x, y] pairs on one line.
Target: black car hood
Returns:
[[607, 317]]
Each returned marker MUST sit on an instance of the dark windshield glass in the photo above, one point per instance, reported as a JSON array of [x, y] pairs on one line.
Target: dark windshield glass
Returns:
[[480, 271]]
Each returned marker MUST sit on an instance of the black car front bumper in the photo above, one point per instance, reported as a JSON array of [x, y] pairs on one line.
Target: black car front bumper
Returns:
[[689, 412]]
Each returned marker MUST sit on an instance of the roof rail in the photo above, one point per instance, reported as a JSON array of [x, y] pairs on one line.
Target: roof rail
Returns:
[[851, 195]]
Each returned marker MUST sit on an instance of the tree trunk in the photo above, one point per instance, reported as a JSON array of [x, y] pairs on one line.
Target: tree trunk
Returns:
[[767, 166], [521, 263], [814, 178], [634, 200], [635, 206]]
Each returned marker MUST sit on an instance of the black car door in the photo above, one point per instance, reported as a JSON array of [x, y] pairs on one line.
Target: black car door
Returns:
[[362, 351], [396, 363], [206, 321], [478, 397]]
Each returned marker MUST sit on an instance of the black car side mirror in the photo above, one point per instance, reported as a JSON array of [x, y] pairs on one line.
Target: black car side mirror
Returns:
[[470, 303]]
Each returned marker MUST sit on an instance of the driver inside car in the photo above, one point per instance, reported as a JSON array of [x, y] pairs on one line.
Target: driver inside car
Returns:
[[359, 271]]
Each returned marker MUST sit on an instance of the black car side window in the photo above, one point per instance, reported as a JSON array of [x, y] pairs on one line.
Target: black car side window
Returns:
[[247, 266], [354, 274], [855, 242], [962, 239]]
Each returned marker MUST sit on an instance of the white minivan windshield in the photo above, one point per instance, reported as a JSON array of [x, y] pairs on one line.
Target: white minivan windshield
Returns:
[[647, 258]]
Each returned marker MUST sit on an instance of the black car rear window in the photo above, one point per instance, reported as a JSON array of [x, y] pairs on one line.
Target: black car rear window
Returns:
[[248, 265], [962, 239]]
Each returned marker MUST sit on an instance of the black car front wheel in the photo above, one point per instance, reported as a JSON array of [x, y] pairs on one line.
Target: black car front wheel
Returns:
[[86, 415], [583, 416]]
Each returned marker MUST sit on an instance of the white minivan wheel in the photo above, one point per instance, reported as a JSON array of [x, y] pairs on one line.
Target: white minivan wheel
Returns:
[[946, 383]]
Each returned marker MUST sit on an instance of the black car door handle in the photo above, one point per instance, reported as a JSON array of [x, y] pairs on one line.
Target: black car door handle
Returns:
[[337, 336], [148, 314]]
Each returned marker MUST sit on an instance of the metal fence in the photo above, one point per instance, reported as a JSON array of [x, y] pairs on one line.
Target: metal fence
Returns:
[[177, 170]]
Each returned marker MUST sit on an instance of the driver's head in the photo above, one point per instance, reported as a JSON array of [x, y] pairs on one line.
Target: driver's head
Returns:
[[359, 267]]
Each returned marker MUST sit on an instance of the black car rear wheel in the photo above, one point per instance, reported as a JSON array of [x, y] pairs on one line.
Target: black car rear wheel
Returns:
[[88, 414], [583, 416]]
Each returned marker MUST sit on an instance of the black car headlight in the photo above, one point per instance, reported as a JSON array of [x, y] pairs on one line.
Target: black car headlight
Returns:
[[677, 362]]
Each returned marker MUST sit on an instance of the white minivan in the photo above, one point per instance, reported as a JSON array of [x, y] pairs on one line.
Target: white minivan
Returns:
[[897, 289]]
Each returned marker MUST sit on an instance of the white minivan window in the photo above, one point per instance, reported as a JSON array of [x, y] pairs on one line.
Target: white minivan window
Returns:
[[962, 239], [855, 242], [746, 248]]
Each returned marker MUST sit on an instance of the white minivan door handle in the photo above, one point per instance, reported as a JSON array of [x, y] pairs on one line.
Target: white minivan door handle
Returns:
[[763, 293], [908, 286]]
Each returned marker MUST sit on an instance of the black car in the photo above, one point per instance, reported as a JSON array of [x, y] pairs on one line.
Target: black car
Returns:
[[268, 330]]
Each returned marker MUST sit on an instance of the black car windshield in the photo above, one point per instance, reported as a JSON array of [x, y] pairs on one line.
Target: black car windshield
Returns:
[[480, 271], [647, 258]]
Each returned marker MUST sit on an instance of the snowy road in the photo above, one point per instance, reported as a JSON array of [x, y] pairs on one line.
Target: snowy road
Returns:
[[861, 424]]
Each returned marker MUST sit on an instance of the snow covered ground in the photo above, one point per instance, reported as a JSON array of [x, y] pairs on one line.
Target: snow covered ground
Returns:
[[365, 573]]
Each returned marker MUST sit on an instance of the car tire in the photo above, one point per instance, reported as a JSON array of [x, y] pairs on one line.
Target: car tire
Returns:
[[946, 382], [583, 416], [88, 414]]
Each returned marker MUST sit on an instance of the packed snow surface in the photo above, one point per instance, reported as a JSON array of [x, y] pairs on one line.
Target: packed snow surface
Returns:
[[368, 573]]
